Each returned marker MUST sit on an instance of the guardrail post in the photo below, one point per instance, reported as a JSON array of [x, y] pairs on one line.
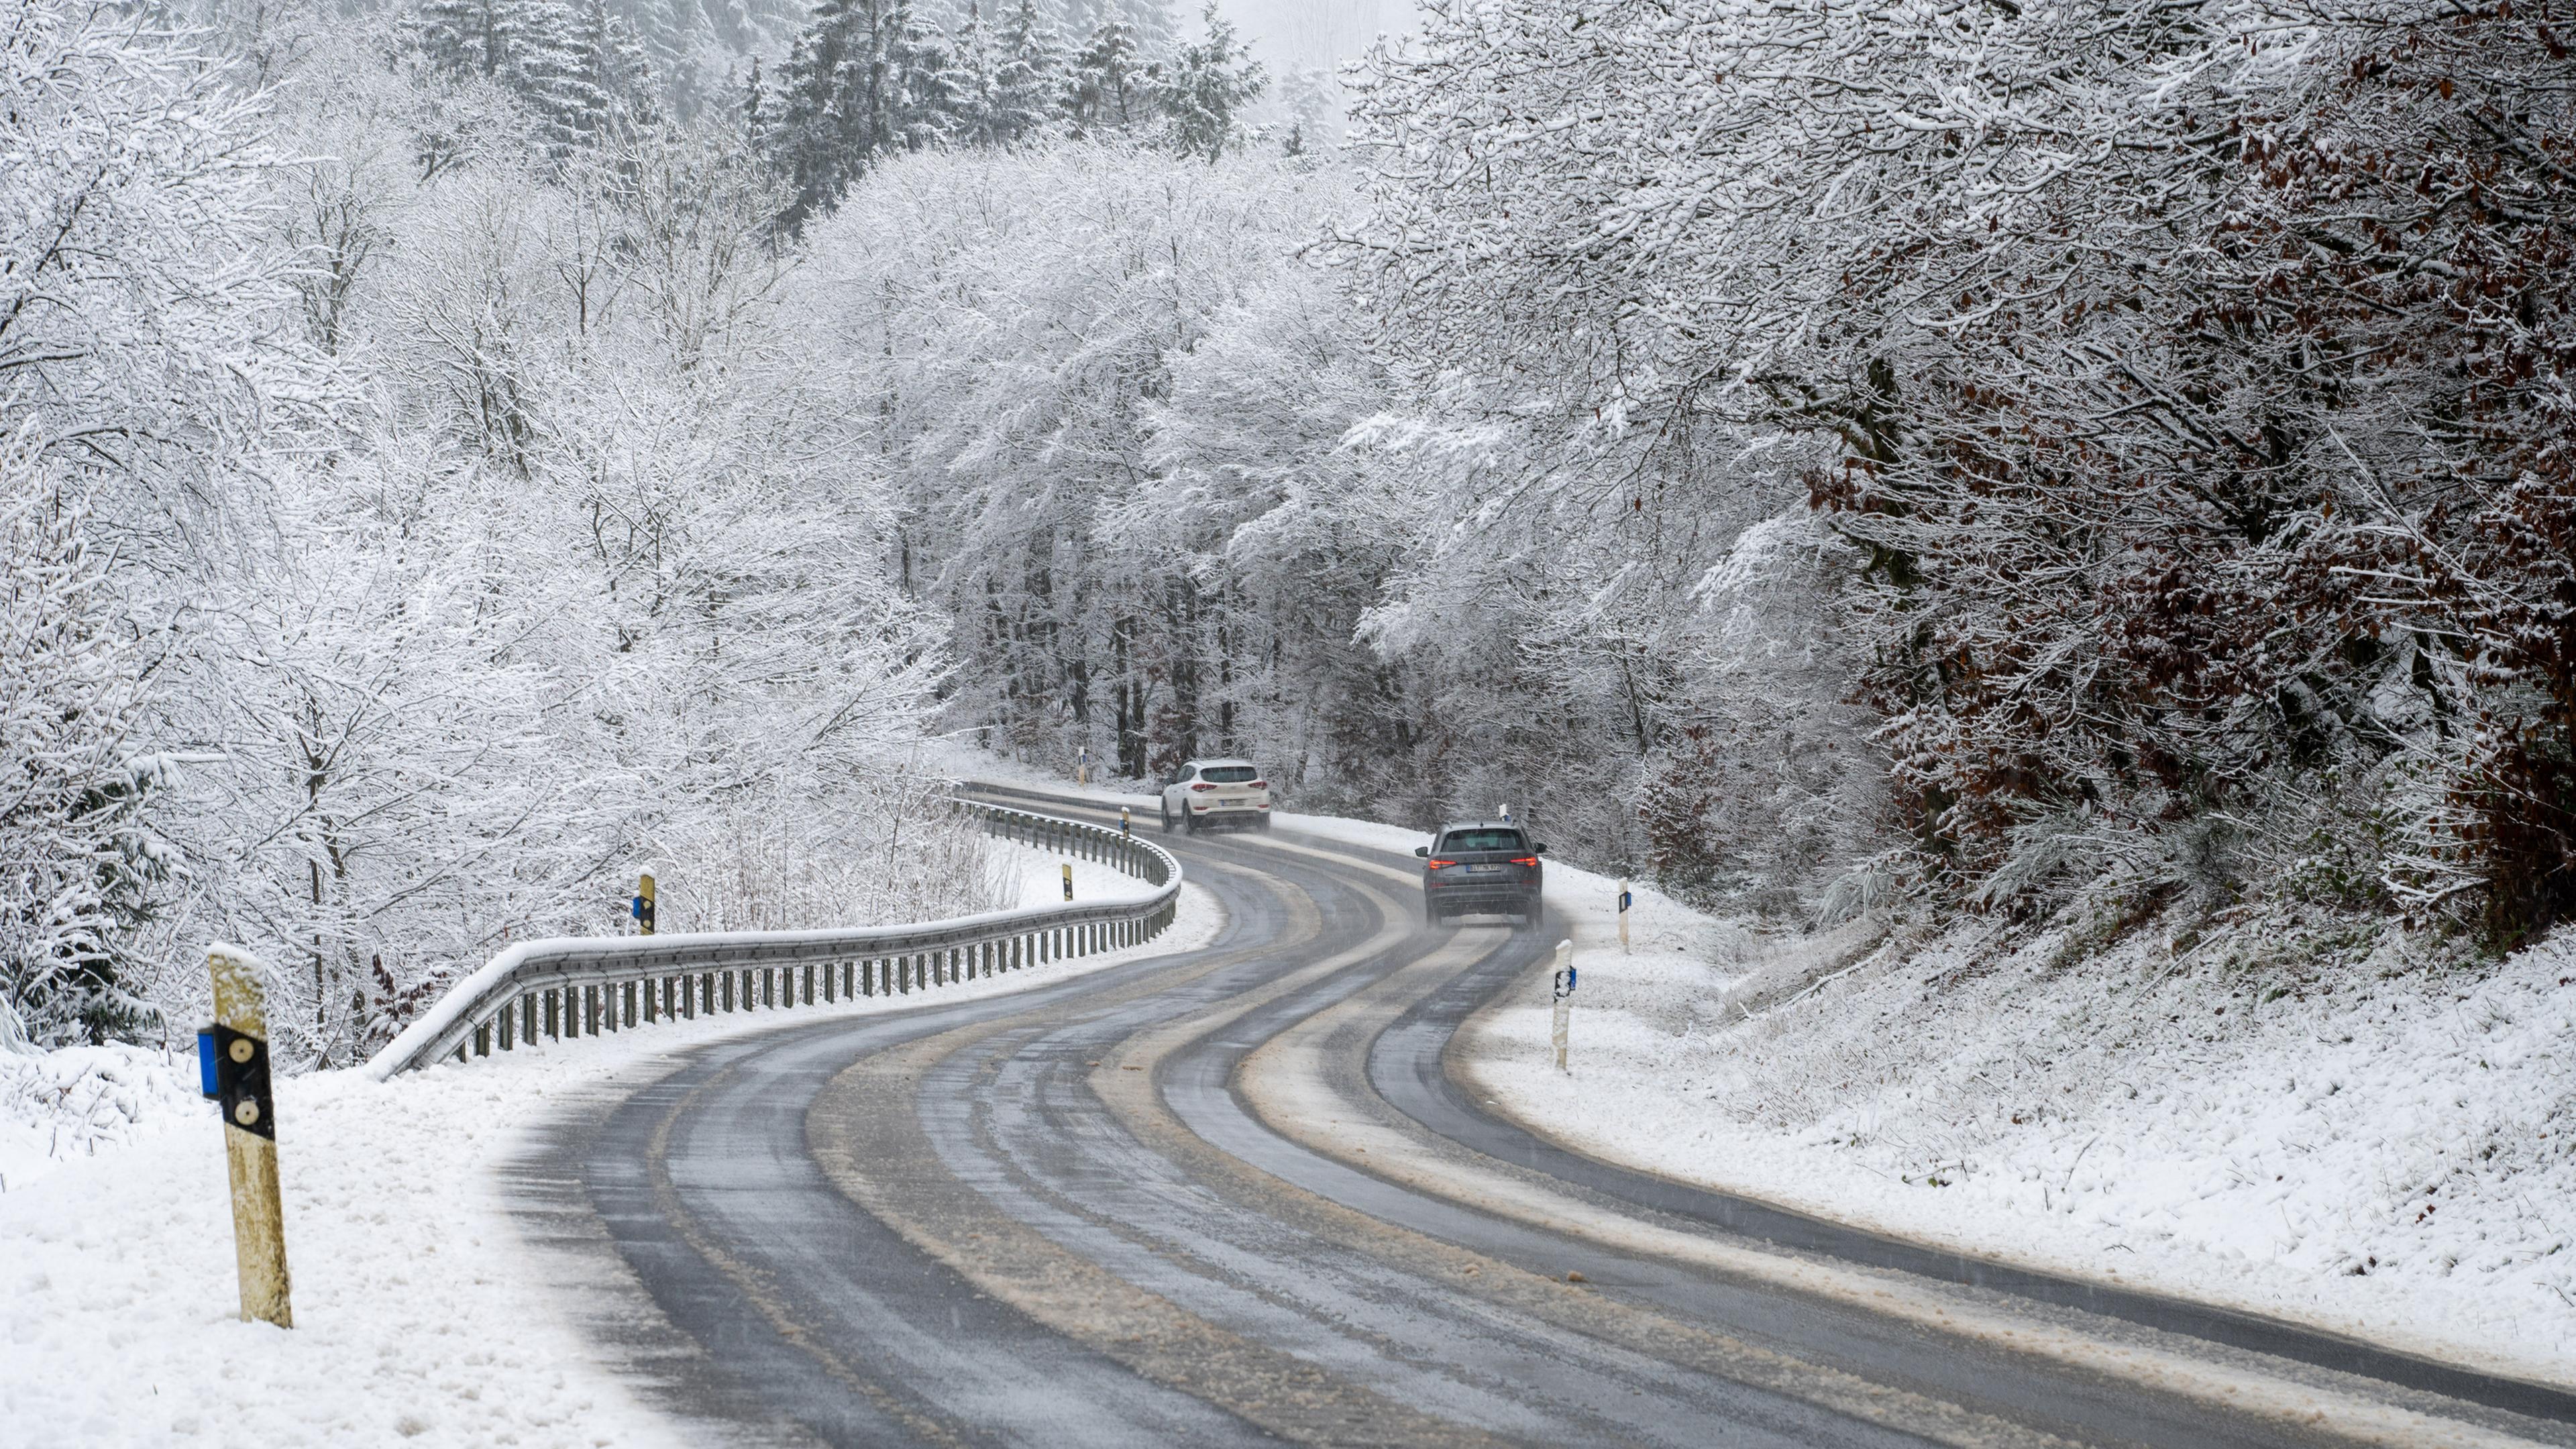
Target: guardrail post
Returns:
[[238, 1051]]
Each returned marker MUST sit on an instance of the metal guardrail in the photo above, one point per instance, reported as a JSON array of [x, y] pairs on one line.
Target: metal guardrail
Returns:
[[576, 986]]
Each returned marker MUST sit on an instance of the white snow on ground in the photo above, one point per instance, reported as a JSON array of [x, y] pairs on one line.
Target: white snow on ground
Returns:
[[420, 1315], [61, 1107], [2283, 1115]]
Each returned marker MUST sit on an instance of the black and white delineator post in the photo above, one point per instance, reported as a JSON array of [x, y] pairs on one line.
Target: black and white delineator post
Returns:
[[1564, 999], [1623, 918], [233, 1057]]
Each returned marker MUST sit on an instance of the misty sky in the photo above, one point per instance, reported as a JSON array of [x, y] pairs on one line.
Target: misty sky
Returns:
[[1297, 33]]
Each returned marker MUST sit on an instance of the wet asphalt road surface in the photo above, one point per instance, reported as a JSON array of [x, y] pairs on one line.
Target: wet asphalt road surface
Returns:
[[1232, 1196]]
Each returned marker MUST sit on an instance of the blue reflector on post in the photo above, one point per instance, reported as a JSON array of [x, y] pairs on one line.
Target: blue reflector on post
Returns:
[[206, 1064]]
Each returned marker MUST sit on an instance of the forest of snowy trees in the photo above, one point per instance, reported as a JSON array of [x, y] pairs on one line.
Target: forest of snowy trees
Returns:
[[454, 451]]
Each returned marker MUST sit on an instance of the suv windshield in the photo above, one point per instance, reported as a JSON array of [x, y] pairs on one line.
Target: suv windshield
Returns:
[[1482, 840], [1229, 774]]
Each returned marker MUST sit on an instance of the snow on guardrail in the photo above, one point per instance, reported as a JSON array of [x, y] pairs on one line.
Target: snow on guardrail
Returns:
[[582, 985]]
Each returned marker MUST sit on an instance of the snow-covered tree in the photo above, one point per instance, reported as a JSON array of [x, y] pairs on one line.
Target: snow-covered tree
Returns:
[[839, 102], [81, 864], [1028, 80], [1107, 85], [1204, 86], [2149, 415]]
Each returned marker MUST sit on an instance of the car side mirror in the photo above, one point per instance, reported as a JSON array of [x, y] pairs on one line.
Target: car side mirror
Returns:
[[1422, 850], [1542, 850]]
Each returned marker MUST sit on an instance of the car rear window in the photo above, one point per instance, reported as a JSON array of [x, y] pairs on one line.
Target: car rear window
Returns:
[[1482, 840], [1229, 774]]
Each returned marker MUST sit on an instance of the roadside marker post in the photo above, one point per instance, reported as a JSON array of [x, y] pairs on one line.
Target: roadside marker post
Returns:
[[232, 1058], [1125, 825], [1082, 765], [1564, 1004], [1623, 918], [642, 906], [1068, 882]]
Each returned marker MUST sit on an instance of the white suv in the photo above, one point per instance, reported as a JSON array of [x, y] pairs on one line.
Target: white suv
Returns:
[[1216, 792]]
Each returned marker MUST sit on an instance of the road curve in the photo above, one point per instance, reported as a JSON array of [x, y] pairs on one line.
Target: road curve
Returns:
[[1232, 1196]]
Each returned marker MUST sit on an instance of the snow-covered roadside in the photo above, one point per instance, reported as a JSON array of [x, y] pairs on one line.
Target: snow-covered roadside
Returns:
[[2275, 1112], [2280, 1115], [960, 760], [418, 1316], [61, 1107]]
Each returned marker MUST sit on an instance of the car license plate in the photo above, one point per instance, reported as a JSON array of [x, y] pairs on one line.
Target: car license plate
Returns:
[[1484, 870], [1232, 799]]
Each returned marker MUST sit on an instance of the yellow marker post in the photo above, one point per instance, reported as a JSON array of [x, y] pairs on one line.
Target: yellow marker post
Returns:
[[236, 1054], [1068, 882], [643, 908]]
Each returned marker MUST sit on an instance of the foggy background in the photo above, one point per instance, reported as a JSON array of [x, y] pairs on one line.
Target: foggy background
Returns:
[[1292, 35]]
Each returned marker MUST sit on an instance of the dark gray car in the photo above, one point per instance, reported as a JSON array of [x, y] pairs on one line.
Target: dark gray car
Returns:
[[1482, 867]]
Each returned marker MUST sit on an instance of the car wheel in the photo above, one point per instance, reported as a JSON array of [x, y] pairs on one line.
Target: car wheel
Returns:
[[1264, 823], [1189, 823], [1430, 912], [1167, 820], [1535, 918]]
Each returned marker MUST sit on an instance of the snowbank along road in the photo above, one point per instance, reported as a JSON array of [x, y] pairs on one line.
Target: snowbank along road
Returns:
[[1231, 1195]]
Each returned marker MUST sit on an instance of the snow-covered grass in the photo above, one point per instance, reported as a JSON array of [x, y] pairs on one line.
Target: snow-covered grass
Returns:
[[62, 1107], [420, 1313], [2292, 1114]]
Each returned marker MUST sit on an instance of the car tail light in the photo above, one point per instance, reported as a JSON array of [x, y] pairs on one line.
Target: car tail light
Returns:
[[1525, 860], [1258, 785], [1438, 864], [1202, 785]]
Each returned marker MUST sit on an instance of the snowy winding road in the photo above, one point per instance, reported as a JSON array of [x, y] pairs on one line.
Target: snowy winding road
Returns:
[[1231, 1197]]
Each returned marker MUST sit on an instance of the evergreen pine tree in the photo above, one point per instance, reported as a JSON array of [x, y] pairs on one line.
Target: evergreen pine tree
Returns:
[[924, 98], [1205, 86], [582, 71], [472, 39], [1029, 78], [974, 84], [609, 91], [838, 95], [1108, 82]]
